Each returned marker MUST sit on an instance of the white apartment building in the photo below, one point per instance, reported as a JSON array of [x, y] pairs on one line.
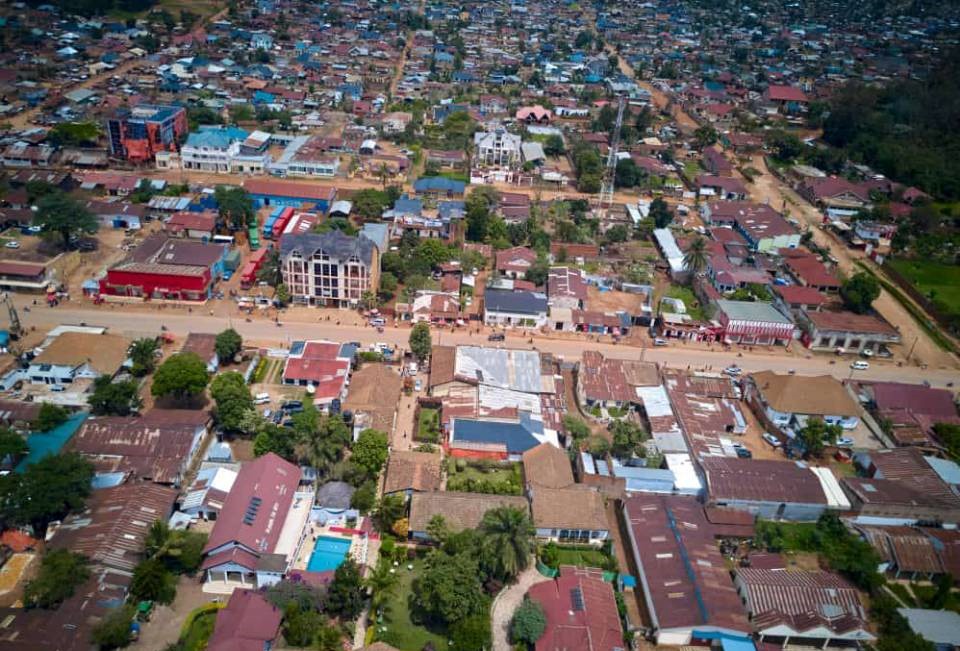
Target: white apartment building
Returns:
[[329, 269]]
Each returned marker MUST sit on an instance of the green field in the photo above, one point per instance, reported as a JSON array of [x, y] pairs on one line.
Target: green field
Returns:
[[938, 282]]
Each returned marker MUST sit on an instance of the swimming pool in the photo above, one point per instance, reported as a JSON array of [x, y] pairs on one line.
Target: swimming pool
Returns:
[[328, 553]]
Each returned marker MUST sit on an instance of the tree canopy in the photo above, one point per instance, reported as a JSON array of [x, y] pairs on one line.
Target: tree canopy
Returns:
[[61, 571], [182, 376], [420, 341], [233, 400], [816, 435], [235, 207], [528, 623], [859, 292], [143, 354], [370, 450], [62, 214], [111, 398], [47, 491], [228, 343], [50, 416]]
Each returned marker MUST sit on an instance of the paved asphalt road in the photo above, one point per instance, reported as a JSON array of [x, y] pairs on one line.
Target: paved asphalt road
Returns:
[[266, 333]]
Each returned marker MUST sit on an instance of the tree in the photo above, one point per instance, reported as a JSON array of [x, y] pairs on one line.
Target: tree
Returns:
[[12, 445], [816, 435], [365, 497], [234, 402], [628, 174], [48, 490], [626, 438], [61, 571], [235, 207], [618, 233], [660, 213], [705, 136], [448, 589], [274, 438], [382, 583], [228, 344], [111, 398], [50, 416], [182, 376], [438, 529], [859, 292], [143, 354], [949, 435], [282, 295], [153, 581], [695, 257], [421, 341], [370, 451], [65, 215], [345, 594], [370, 203], [528, 623], [478, 206], [390, 509], [508, 539], [786, 146], [433, 251], [74, 134], [113, 631], [271, 272], [470, 634], [575, 428], [554, 145], [300, 624]]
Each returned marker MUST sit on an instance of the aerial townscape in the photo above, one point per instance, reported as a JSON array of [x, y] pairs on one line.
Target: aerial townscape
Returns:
[[479, 325]]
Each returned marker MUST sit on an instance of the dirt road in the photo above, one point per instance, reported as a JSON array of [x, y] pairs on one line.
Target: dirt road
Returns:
[[769, 189]]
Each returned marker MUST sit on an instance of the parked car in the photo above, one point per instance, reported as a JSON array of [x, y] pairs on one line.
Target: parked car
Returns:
[[292, 407], [733, 371], [744, 453], [12, 244], [845, 442], [379, 321], [497, 336], [418, 385], [261, 399], [771, 439], [57, 388], [860, 365]]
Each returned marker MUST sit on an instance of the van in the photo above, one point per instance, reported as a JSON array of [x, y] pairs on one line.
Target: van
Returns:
[[659, 342], [261, 399], [379, 321]]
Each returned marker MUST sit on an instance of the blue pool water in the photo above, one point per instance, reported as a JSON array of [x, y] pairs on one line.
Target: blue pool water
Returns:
[[42, 444], [328, 553]]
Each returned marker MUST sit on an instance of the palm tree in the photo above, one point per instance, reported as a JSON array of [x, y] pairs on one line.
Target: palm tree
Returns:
[[382, 583], [508, 539], [390, 509], [695, 257]]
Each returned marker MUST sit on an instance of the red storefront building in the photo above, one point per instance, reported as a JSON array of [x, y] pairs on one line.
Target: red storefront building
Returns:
[[158, 281]]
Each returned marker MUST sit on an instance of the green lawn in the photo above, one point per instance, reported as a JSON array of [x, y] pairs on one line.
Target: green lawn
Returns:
[[685, 294], [428, 429], [198, 628], [938, 282], [498, 479], [581, 557], [400, 631]]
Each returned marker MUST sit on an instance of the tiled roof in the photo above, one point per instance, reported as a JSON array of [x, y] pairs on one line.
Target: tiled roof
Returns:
[[459, 510], [418, 471]]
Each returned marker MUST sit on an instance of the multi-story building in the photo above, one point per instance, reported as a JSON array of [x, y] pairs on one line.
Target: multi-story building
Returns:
[[497, 147], [226, 150], [331, 268], [137, 134]]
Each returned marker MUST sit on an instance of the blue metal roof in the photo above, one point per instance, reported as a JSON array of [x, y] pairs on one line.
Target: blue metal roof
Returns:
[[439, 184], [500, 300], [517, 437]]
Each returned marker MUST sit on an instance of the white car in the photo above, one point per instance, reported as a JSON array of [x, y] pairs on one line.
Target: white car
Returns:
[[867, 352], [845, 442], [733, 371], [860, 365], [771, 439], [12, 244], [261, 399]]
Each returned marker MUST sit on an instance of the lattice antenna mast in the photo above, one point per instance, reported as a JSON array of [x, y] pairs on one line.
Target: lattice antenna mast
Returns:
[[610, 173]]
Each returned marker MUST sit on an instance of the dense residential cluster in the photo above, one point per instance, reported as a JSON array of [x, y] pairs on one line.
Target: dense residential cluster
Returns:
[[472, 325]]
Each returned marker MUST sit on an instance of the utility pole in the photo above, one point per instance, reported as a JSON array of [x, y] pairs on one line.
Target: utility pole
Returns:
[[610, 173]]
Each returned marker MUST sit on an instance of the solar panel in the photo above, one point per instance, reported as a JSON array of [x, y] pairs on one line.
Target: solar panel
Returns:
[[576, 597]]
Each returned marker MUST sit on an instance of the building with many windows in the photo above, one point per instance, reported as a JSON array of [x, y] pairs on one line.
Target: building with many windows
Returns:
[[497, 147], [226, 150], [330, 269], [137, 134]]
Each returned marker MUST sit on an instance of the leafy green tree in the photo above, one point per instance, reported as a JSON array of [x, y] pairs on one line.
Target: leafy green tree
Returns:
[[153, 581], [949, 435], [300, 625], [12, 445], [448, 589], [695, 257], [528, 623], [433, 251], [471, 633], [660, 213], [816, 435], [421, 342], [143, 355], [182, 376], [370, 203], [235, 207], [390, 509], [705, 136], [282, 295], [508, 540], [628, 174], [538, 272], [382, 583], [271, 272], [48, 490], [61, 571], [859, 292], [113, 631], [66, 216], [554, 146], [365, 497], [575, 428], [228, 344], [233, 401], [345, 596], [111, 398], [627, 437], [274, 438], [73, 134], [50, 416], [478, 207], [370, 451]]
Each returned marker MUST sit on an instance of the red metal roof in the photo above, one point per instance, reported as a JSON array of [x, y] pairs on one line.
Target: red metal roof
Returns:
[[581, 612], [248, 622], [257, 505], [312, 191]]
